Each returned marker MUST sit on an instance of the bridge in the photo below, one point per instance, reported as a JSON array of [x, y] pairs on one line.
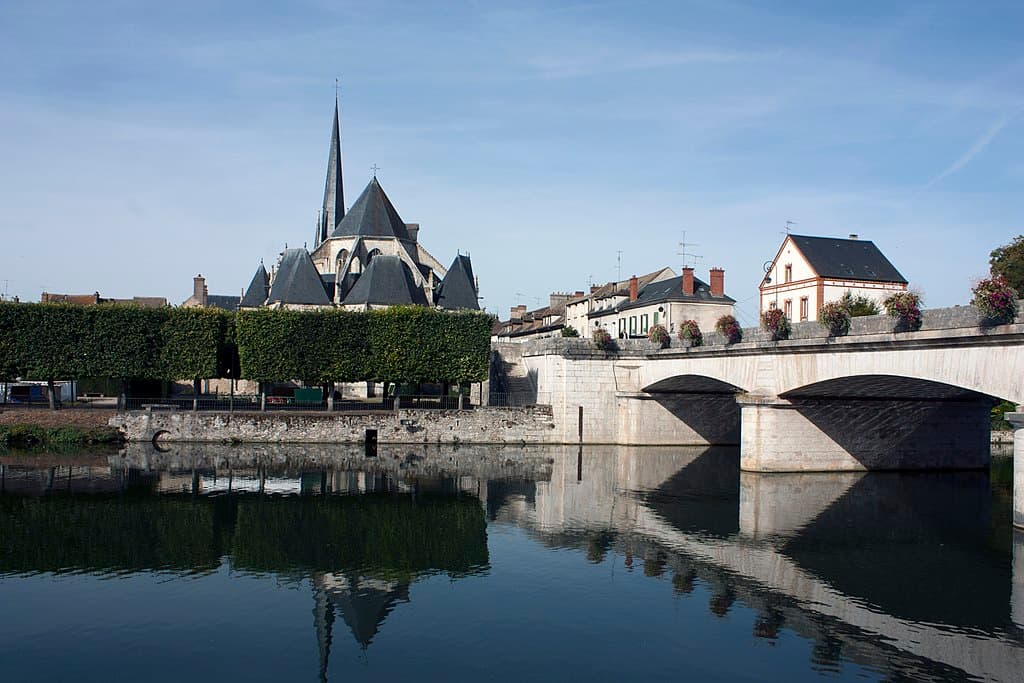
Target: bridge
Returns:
[[873, 399]]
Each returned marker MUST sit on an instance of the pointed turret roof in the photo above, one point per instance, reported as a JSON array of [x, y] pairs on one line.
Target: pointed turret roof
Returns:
[[258, 290], [458, 288], [297, 281], [372, 215], [387, 281], [334, 191]]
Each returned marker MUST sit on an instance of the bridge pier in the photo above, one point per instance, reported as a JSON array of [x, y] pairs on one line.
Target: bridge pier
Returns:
[[780, 504], [851, 434], [1017, 420]]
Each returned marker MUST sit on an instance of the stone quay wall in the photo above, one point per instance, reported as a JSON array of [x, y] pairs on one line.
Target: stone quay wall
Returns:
[[479, 425]]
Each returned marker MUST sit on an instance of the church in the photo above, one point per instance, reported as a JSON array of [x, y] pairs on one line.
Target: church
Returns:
[[363, 257]]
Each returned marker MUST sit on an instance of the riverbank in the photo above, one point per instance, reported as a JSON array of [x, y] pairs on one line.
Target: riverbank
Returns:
[[25, 428]]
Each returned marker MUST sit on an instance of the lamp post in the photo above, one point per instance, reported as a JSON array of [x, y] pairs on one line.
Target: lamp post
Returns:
[[768, 279]]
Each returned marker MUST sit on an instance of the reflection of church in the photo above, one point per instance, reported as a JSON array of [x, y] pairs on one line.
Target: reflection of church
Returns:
[[362, 602], [363, 257]]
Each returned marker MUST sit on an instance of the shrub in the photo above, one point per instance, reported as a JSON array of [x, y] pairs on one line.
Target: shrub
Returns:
[[659, 335], [603, 340], [775, 322], [905, 308], [859, 305], [835, 317], [996, 299], [569, 331], [729, 328], [689, 331]]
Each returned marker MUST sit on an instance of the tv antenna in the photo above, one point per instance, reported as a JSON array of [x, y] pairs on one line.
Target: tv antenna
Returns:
[[789, 224], [687, 255], [618, 266]]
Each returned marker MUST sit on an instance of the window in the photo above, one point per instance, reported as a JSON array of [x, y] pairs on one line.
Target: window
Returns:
[[803, 307], [655, 317], [622, 327], [789, 308], [644, 326], [632, 325], [789, 272]]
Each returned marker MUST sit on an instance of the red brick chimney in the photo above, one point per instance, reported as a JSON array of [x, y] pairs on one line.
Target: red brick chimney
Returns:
[[634, 288], [717, 282], [688, 281], [517, 313]]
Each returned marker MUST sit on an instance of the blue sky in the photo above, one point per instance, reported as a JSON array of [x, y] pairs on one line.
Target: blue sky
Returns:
[[142, 143]]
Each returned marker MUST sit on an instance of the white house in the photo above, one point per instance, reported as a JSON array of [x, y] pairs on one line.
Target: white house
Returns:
[[808, 272], [605, 298]]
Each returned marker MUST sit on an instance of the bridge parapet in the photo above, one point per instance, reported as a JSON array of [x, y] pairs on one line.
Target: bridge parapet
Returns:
[[936, 323]]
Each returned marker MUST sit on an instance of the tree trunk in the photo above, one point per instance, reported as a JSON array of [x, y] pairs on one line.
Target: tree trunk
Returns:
[[195, 393], [49, 391]]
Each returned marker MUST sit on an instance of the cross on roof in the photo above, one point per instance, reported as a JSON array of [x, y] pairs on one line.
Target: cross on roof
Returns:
[[375, 168]]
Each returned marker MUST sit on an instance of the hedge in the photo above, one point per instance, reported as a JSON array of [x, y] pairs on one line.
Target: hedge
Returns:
[[401, 344]]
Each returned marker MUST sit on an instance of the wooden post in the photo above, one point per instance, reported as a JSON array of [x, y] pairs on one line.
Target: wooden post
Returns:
[[49, 391], [263, 397], [581, 424], [330, 397]]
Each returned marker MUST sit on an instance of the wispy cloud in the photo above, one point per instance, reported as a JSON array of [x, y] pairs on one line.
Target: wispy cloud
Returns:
[[609, 61], [974, 150]]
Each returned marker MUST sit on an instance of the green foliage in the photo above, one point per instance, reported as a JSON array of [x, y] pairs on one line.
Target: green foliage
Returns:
[[659, 335], [859, 305], [400, 344], [35, 436], [775, 322], [689, 331], [729, 327], [1008, 261], [996, 299], [999, 422], [603, 340], [905, 308], [835, 317], [192, 342], [569, 331]]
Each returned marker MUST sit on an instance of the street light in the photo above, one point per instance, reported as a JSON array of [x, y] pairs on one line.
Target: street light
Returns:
[[768, 279]]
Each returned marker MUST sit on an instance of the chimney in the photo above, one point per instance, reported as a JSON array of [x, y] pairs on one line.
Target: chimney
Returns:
[[517, 313], [633, 289], [557, 302], [577, 294], [688, 281], [414, 231], [717, 282], [199, 289], [853, 235], [594, 288]]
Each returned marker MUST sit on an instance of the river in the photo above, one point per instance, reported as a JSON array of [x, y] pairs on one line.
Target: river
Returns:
[[282, 562]]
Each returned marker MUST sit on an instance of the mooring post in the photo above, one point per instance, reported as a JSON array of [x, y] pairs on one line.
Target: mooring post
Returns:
[[580, 425]]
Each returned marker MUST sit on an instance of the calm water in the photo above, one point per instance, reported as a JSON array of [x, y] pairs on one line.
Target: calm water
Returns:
[[285, 563]]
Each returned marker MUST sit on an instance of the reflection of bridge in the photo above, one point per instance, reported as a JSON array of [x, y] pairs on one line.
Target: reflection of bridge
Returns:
[[765, 535], [867, 401]]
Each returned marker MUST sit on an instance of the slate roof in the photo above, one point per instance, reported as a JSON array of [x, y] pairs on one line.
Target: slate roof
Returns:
[[228, 302], [334, 191], [372, 215], [297, 281], [847, 259], [386, 281], [258, 291], [458, 288], [667, 290]]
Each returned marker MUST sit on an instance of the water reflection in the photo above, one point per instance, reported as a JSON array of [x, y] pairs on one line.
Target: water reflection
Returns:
[[914, 576]]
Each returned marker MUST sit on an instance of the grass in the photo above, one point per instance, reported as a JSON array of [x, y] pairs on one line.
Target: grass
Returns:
[[34, 436]]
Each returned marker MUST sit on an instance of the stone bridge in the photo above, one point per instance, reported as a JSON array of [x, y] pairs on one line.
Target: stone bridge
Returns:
[[873, 399]]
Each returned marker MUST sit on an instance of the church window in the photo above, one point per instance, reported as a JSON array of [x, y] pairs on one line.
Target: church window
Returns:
[[373, 253]]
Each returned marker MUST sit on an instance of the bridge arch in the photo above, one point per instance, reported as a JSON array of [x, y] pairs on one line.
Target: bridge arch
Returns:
[[888, 387], [692, 384]]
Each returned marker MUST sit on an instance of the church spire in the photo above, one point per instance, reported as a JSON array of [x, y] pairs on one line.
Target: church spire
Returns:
[[334, 192]]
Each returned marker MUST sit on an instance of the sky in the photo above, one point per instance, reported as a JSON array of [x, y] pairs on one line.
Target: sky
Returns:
[[142, 143]]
